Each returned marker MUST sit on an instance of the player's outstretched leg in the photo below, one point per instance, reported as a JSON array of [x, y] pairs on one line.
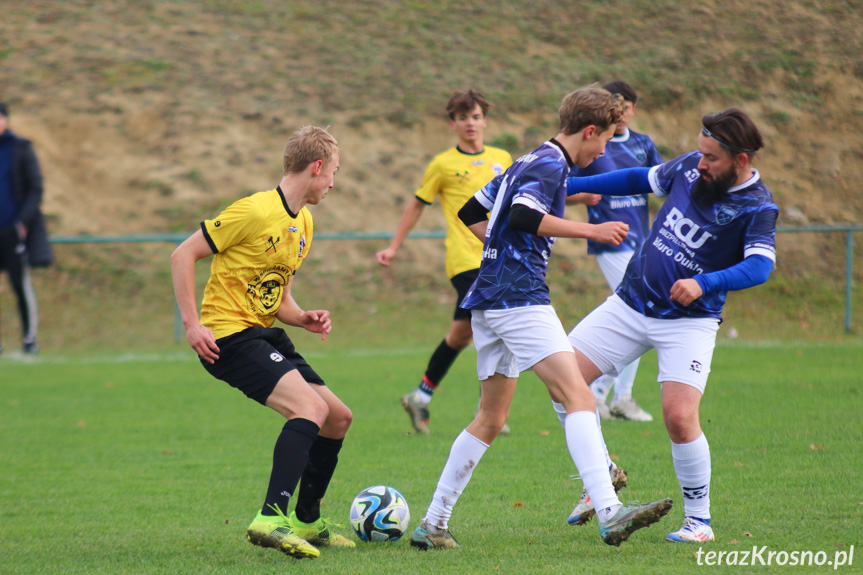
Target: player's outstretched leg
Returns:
[[276, 532], [630, 518], [584, 510]]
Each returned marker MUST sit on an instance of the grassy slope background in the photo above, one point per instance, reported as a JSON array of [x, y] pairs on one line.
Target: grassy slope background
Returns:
[[150, 116]]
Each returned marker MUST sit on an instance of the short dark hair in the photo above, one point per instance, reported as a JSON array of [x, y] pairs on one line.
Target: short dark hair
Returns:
[[622, 88], [466, 101], [4, 111], [734, 130]]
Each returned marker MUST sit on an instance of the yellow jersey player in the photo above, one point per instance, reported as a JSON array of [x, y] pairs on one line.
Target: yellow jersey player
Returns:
[[453, 175], [258, 244]]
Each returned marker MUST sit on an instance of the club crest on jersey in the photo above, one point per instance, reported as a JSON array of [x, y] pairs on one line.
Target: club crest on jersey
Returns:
[[497, 169], [640, 155], [264, 291], [302, 245], [724, 214]]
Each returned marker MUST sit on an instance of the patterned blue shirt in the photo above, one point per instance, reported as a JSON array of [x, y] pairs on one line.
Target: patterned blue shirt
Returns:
[[688, 239], [514, 263], [628, 150]]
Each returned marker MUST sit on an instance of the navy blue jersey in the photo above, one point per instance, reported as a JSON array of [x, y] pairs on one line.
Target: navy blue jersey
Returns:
[[688, 239], [512, 272], [628, 150]]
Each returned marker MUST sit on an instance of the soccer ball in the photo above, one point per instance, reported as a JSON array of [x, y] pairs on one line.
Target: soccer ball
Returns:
[[380, 513]]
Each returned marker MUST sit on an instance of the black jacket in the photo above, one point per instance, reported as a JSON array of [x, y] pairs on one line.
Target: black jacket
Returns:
[[27, 185]]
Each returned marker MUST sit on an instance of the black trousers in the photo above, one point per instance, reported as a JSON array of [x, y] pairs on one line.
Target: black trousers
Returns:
[[13, 258]]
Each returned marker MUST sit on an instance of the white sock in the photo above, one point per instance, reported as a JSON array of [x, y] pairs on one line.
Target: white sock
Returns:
[[464, 456], [586, 447], [422, 397], [692, 466], [601, 386], [625, 380], [560, 411]]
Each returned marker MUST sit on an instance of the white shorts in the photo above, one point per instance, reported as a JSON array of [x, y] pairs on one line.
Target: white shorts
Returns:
[[614, 334], [510, 341], [613, 266]]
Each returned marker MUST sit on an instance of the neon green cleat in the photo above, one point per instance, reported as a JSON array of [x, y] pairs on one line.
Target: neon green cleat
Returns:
[[276, 532], [319, 532], [630, 518]]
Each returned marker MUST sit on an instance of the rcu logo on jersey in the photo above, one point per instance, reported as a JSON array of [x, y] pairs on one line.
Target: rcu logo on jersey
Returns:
[[264, 292], [685, 229]]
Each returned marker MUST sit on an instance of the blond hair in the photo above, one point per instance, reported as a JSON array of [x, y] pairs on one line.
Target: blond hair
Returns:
[[306, 145], [591, 106]]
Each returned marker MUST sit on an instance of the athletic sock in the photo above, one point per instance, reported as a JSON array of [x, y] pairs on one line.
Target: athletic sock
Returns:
[[423, 393], [439, 364], [323, 457], [560, 411], [290, 456], [625, 380], [692, 466], [601, 386], [464, 456], [586, 447]]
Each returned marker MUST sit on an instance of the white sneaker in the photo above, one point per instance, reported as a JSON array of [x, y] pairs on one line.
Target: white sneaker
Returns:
[[603, 410], [693, 531], [626, 408]]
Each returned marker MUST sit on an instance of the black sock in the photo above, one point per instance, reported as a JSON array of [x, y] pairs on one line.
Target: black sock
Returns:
[[289, 460], [323, 457], [440, 362]]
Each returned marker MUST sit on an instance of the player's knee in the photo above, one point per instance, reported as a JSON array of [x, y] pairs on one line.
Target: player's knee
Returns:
[[459, 339], [682, 425], [340, 420], [316, 409]]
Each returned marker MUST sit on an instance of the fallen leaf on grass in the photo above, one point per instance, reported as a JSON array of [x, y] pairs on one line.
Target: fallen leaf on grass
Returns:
[[82, 423], [738, 464], [816, 446], [543, 432], [733, 541], [747, 534], [518, 504]]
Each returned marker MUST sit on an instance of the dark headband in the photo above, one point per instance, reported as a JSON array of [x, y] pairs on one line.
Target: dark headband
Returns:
[[737, 149]]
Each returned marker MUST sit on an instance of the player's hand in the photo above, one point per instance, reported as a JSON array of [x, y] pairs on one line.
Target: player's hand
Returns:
[[686, 291], [203, 342], [586, 199], [317, 321], [611, 232], [385, 256]]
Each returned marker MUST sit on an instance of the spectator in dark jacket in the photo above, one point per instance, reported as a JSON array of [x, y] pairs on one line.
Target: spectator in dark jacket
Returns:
[[23, 235]]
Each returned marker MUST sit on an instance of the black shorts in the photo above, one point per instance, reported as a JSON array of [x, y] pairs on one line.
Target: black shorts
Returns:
[[462, 282], [255, 359]]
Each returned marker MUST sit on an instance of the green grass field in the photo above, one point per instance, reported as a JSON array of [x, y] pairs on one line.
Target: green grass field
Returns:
[[145, 464]]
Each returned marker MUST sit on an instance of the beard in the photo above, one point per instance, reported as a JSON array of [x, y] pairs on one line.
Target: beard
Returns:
[[707, 194]]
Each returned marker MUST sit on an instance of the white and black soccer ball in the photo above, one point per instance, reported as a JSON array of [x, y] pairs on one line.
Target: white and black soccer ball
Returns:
[[380, 513]]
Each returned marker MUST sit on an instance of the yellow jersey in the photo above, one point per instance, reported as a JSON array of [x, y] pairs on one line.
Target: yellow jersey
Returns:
[[456, 176], [258, 244]]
